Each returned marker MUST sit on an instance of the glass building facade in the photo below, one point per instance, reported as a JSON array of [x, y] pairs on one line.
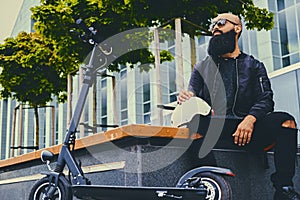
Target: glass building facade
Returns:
[[131, 96]]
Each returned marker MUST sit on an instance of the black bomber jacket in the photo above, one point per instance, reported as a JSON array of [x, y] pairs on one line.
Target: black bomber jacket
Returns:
[[254, 95]]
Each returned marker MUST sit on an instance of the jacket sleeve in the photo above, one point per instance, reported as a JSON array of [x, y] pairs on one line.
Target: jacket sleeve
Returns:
[[196, 81], [264, 103]]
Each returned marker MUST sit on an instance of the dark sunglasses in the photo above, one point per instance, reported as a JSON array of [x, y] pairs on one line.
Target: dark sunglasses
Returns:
[[220, 23]]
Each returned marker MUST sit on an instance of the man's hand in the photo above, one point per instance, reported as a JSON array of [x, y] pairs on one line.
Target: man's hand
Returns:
[[184, 95], [243, 133]]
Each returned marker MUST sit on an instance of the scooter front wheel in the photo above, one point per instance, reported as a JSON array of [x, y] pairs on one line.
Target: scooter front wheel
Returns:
[[62, 192]]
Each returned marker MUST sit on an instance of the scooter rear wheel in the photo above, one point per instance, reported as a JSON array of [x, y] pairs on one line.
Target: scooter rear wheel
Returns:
[[62, 192], [216, 186]]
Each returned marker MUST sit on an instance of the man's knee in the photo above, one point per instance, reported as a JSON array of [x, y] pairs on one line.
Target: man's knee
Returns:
[[289, 124], [287, 120]]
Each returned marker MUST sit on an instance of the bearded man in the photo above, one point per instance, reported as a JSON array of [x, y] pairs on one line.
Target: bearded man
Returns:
[[238, 89]]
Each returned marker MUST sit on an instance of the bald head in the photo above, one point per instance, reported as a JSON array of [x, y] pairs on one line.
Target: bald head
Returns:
[[222, 18]]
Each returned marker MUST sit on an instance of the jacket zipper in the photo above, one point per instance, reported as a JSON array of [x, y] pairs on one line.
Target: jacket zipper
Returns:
[[237, 86], [261, 84]]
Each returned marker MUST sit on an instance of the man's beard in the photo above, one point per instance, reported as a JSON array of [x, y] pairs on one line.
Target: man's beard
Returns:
[[222, 44]]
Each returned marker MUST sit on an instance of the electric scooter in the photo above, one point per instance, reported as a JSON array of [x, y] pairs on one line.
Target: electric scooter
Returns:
[[204, 182]]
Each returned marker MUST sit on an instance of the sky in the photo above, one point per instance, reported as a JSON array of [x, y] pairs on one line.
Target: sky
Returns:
[[9, 10]]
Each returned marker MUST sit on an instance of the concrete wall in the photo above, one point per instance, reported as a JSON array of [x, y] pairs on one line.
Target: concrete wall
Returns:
[[149, 162]]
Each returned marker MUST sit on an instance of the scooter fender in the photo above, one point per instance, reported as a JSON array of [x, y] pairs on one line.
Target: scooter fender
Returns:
[[53, 176], [193, 172]]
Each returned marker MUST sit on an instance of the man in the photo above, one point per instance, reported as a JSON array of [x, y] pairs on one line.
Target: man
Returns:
[[238, 89]]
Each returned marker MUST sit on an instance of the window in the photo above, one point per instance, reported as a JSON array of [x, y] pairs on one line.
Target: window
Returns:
[[272, 5], [274, 34], [283, 34], [253, 43], [146, 98], [277, 63], [275, 49], [4, 127], [147, 107], [172, 82], [42, 127], [288, 3], [32, 25], [104, 122], [104, 97], [147, 119], [172, 77], [291, 28], [146, 90], [288, 34], [294, 58], [201, 40], [280, 5], [244, 40], [298, 17], [286, 61], [102, 102], [124, 104]]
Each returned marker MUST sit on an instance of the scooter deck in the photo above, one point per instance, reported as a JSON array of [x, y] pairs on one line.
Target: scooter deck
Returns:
[[102, 192]]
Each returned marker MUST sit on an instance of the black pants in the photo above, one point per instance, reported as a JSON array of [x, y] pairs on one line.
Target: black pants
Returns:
[[266, 131]]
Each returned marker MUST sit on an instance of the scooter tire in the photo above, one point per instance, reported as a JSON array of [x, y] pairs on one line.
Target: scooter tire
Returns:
[[217, 187], [63, 191]]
